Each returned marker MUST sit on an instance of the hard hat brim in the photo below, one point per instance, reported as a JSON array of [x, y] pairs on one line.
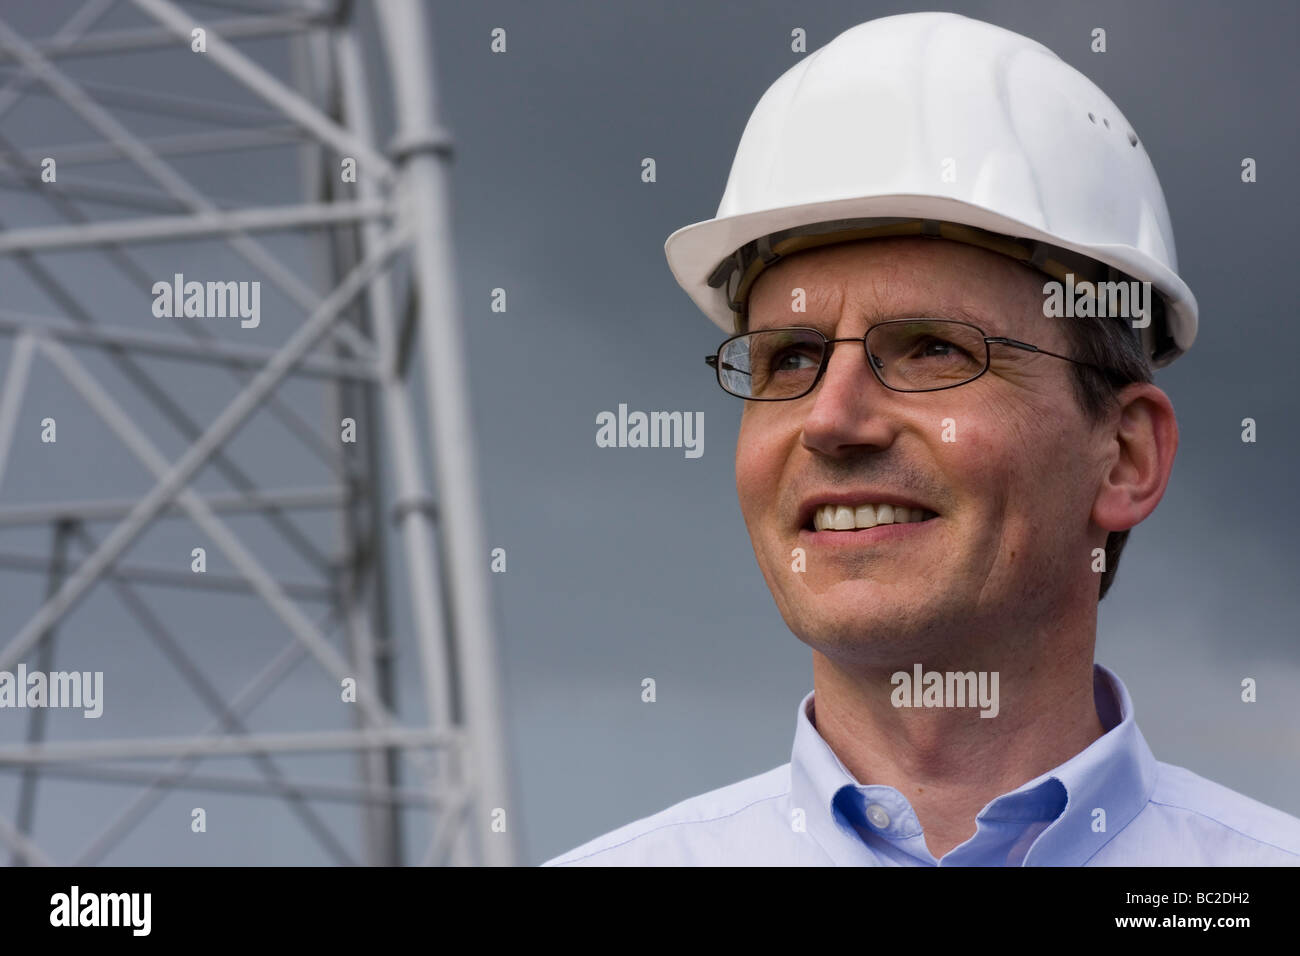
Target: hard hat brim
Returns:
[[695, 251]]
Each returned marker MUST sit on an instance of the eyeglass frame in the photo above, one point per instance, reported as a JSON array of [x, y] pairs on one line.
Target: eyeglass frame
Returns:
[[712, 360]]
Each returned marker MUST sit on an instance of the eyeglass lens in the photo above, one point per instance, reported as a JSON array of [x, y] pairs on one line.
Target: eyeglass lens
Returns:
[[909, 355]]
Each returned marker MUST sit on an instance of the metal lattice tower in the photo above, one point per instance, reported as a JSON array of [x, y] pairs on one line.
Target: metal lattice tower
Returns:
[[377, 303]]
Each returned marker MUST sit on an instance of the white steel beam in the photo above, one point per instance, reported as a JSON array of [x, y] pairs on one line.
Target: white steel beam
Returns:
[[172, 481], [215, 351], [157, 748], [249, 696], [224, 55], [11, 837], [153, 103], [176, 144], [137, 39], [11, 397], [201, 225], [423, 151], [109, 127], [230, 722], [114, 509], [172, 485], [64, 37], [417, 526], [323, 790], [171, 577], [104, 192]]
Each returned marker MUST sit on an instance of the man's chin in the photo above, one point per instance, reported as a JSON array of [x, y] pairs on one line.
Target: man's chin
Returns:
[[847, 586], [845, 632]]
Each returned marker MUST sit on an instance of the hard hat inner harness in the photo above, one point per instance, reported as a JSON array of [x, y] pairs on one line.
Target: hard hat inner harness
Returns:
[[738, 272]]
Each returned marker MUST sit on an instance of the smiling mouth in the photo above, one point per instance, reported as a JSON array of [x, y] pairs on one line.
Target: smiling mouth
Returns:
[[858, 517]]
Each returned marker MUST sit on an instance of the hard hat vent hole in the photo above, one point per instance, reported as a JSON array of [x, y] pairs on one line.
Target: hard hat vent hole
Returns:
[[1106, 121], [1132, 138], [1092, 118]]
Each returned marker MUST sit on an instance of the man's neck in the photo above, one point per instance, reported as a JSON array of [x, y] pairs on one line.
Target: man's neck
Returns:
[[949, 762]]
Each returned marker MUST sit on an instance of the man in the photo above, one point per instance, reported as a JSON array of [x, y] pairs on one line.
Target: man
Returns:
[[948, 267]]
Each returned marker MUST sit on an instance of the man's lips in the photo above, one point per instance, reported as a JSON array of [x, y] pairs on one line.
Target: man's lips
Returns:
[[863, 537]]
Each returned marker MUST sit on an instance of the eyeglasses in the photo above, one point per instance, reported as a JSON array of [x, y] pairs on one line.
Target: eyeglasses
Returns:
[[906, 355]]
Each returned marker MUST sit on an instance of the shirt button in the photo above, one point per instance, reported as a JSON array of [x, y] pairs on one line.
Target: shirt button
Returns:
[[877, 816]]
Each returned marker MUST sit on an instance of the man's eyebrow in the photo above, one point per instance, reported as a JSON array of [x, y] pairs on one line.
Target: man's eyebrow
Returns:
[[974, 316], [961, 313]]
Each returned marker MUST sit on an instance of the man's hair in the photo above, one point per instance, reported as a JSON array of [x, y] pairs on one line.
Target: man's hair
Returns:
[[1109, 343]]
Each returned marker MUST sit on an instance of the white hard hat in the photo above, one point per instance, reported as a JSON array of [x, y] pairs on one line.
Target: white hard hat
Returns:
[[936, 124]]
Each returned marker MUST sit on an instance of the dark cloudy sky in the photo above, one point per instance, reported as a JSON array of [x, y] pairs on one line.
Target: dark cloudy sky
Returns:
[[633, 563]]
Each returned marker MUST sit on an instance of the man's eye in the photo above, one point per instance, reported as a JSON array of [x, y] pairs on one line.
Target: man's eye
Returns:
[[790, 359], [939, 348]]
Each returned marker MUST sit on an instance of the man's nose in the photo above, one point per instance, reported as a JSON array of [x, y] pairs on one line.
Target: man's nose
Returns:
[[848, 372], [849, 403]]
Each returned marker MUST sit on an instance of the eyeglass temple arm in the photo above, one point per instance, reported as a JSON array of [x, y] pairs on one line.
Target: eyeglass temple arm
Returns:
[[1017, 344], [712, 362]]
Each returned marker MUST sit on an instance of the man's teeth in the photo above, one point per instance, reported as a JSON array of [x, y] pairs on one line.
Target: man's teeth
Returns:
[[845, 518]]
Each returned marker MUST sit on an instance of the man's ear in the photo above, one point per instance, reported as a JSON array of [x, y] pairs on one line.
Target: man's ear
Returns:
[[1145, 436]]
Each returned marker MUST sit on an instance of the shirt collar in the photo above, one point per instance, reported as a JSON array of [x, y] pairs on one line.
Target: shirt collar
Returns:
[[1071, 811]]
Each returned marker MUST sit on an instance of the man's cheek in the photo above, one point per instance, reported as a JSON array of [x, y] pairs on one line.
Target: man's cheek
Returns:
[[970, 452], [986, 474], [757, 479], [996, 445]]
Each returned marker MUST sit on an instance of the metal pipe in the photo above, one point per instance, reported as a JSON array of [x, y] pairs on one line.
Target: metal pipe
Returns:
[[76, 25], [248, 697], [151, 748], [227, 718], [195, 226], [242, 69], [26, 817], [11, 398], [158, 104], [176, 144], [211, 352], [170, 577], [185, 780], [111, 129], [417, 527], [168, 405], [113, 509], [11, 837], [109, 194], [174, 478], [380, 825], [136, 39], [422, 147]]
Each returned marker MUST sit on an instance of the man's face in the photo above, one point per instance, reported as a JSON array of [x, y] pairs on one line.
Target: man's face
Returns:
[[1012, 488]]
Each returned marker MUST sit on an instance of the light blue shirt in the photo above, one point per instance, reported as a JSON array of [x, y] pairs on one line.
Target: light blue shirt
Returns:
[[812, 812]]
